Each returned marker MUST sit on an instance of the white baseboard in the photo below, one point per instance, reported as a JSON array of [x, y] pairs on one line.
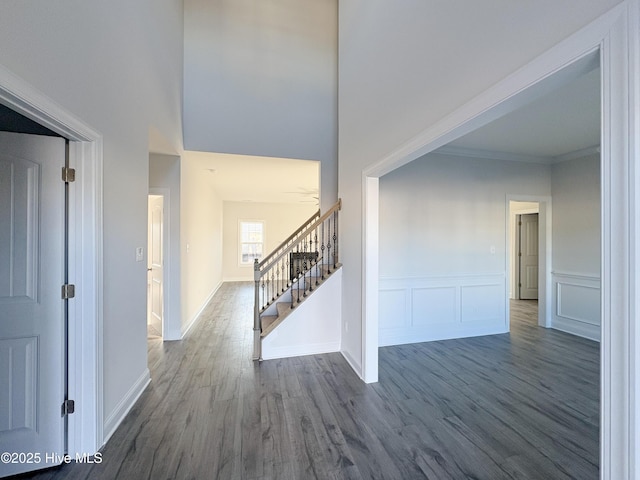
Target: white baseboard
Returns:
[[298, 351], [402, 337], [238, 279], [196, 317], [125, 405], [584, 330], [354, 365]]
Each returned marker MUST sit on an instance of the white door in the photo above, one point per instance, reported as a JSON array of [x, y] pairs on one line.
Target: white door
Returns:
[[155, 263], [528, 256], [31, 308]]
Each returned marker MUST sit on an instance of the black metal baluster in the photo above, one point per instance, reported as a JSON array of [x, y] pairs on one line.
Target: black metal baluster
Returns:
[[304, 269], [273, 286], [315, 254], [298, 277], [335, 239], [329, 246], [322, 259], [307, 265], [290, 277], [288, 270]]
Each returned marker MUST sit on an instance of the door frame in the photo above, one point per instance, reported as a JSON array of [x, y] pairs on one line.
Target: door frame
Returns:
[[167, 322], [545, 283], [613, 38], [513, 245], [85, 429], [518, 268]]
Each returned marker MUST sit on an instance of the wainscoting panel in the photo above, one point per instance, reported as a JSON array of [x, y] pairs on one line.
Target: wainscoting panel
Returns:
[[481, 303], [576, 300], [432, 306], [422, 309], [394, 309]]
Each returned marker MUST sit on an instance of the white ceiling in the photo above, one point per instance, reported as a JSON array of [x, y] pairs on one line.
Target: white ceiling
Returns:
[[549, 129], [244, 178]]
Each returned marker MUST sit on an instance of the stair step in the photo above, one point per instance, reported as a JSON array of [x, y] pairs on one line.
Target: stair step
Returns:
[[270, 322], [283, 308], [267, 321]]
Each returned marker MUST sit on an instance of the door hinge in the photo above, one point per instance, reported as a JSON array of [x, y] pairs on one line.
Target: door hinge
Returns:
[[68, 407], [520, 223], [68, 174], [68, 291], [519, 254], [520, 285]]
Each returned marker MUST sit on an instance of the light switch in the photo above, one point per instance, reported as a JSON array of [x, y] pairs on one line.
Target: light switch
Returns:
[[139, 254]]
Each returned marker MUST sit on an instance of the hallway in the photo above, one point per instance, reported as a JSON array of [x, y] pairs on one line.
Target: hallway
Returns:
[[520, 405]]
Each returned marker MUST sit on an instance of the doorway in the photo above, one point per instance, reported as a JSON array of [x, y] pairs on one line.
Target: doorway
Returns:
[[524, 267], [155, 266], [85, 427], [523, 250], [527, 264], [33, 267]]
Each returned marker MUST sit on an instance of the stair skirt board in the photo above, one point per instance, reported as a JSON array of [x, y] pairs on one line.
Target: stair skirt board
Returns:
[[313, 327], [300, 350]]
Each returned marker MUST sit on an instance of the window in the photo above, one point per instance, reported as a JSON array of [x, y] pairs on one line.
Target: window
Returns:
[[251, 241]]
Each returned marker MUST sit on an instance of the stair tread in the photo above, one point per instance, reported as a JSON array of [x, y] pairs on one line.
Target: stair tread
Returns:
[[269, 322], [283, 308]]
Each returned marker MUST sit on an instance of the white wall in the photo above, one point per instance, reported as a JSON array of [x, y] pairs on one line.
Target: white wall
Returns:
[[201, 239], [575, 188], [164, 173], [281, 220], [576, 255], [443, 251], [118, 67], [403, 66], [261, 79]]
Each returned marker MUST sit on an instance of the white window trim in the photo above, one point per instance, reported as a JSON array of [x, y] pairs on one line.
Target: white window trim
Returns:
[[239, 242]]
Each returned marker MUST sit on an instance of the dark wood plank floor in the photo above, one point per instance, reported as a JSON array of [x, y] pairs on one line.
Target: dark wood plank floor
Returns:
[[517, 406]]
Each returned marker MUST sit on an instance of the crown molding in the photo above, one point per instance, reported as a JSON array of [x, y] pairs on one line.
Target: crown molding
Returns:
[[492, 155], [584, 152], [515, 157]]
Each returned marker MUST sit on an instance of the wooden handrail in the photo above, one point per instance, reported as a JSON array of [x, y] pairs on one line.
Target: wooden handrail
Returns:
[[294, 235], [274, 257]]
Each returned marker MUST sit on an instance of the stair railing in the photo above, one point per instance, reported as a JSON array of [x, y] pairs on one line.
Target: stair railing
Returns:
[[300, 262]]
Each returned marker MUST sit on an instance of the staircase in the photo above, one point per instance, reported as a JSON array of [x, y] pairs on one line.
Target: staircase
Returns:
[[293, 271]]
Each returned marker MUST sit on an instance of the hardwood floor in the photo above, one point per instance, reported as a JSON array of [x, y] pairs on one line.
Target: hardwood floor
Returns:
[[517, 406]]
